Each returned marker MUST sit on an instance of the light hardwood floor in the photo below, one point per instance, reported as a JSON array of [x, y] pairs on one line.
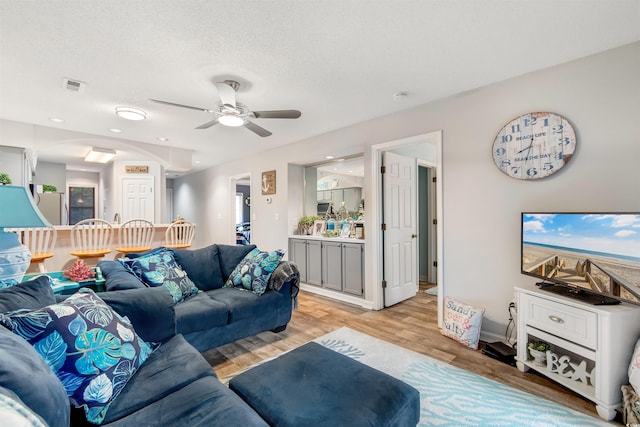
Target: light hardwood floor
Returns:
[[411, 324]]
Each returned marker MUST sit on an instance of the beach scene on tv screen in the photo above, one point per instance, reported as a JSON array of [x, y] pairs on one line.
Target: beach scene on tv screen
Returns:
[[600, 252]]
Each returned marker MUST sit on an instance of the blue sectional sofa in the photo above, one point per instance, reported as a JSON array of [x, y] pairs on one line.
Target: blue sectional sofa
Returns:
[[173, 385], [218, 315]]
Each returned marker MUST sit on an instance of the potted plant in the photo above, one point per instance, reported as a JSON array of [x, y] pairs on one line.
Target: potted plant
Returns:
[[305, 224], [5, 179], [538, 350], [46, 188]]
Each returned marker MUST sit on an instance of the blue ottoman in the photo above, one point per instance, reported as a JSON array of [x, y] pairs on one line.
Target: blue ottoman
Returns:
[[315, 386]]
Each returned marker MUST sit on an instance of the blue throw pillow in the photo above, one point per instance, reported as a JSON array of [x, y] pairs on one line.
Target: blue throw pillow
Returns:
[[159, 268], [254, 271], [92, 350], [31, 294]]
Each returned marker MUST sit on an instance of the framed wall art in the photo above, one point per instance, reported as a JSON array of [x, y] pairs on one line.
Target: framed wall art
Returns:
[[268, 182]]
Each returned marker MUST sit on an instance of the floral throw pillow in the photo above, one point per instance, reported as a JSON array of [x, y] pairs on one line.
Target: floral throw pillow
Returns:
[[159, 268], [92, 350], [254, 271], [462, 322]]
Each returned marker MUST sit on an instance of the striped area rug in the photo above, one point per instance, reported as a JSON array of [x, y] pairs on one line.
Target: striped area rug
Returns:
[[451, 396]]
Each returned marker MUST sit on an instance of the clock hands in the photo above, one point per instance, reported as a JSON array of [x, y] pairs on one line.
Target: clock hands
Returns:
[[526, 149]]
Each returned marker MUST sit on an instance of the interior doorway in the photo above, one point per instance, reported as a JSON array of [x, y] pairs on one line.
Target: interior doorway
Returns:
[[430, 145], [240, 186]]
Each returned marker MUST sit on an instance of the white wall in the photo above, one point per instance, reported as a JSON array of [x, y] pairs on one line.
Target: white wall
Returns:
[[598, 95]]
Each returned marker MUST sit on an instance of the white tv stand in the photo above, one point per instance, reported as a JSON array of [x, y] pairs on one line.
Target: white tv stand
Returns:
[[591, 345]]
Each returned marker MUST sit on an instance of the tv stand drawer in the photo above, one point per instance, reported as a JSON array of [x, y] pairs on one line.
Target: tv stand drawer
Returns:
[[571, 323]]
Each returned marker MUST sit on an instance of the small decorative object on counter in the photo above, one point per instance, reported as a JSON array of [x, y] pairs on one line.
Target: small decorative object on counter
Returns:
[[79, 271], [46, 188], [5, 179], [359, 230]]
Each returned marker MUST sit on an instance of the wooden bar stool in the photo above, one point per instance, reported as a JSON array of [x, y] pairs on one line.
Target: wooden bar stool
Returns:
[[91, 238], [134, 236], [179, 234]]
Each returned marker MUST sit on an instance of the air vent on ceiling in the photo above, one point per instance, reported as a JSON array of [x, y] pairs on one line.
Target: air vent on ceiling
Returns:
[[73, 85]]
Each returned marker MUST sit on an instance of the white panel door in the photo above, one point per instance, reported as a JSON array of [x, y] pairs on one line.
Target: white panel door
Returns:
[[137, 199], [400, 235]]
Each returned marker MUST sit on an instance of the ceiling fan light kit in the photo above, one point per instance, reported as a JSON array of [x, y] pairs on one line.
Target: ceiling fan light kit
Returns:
[[130, 113], [228, 112], [231, 120]]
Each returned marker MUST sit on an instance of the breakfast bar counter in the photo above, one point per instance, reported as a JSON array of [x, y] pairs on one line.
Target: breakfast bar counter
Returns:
[[63, 259]]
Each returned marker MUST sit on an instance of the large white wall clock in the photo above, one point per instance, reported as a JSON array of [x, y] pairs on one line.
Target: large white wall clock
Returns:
[[534, 145]]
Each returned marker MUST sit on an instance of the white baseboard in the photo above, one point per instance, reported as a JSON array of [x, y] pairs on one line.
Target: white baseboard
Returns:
[[337, 296]]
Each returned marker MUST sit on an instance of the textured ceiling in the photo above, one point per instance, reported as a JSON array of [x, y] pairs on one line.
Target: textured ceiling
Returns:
[[339, 62]]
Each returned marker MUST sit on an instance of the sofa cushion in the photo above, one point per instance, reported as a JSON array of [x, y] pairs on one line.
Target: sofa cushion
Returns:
[[205, 402], [13, 412], [27, 375], [92, 350], [159, 268], [200, 313], [244, 304], [171, 367], [117, 277], [32, 294], [230, 257], [254, 271], [150, 310], [202, 266]]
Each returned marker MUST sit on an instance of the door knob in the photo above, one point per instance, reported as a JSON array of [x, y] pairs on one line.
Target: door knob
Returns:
[[413, 236]]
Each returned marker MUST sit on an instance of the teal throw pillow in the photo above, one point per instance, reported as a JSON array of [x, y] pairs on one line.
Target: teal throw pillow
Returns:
[[92, 350], [159, 268], [254, 271]]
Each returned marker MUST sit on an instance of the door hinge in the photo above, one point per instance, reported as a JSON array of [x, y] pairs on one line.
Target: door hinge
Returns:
[[384, 284], [434, 179], [383, 227], [435, 263], [383, 169], [435, 222]]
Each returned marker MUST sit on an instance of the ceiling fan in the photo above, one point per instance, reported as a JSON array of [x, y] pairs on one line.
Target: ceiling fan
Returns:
[[229, 112]]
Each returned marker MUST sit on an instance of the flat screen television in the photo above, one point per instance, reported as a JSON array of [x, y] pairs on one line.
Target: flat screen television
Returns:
[[590, 256]]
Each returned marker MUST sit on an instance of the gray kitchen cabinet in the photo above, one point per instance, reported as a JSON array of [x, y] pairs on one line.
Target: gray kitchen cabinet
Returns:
[[332, 265], [298, 255], [336, 264], [314, 262], [353, 268], [352, 197]]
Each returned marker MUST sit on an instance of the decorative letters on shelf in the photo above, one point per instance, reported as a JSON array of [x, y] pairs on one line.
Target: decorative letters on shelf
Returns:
[[563, 366]]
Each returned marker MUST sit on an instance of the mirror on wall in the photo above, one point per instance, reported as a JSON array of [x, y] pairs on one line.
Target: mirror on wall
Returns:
[[334, 185]]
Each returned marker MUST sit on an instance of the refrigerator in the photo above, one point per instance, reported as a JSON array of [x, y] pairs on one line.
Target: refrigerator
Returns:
[[54, 207]]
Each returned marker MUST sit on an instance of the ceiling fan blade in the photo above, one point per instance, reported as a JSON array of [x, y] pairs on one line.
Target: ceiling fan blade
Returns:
[[173, 104], [226, 93], [208, 124], [258, 130], [277, 114]]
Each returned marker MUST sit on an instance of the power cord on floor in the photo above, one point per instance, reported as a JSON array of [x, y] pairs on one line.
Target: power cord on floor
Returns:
[[511, 325]]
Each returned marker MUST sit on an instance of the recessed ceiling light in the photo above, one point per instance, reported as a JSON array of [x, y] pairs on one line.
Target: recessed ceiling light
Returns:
[[130, 113], [56, 120], [196, 161], [329, 157], [163, 139], [114, 130]]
